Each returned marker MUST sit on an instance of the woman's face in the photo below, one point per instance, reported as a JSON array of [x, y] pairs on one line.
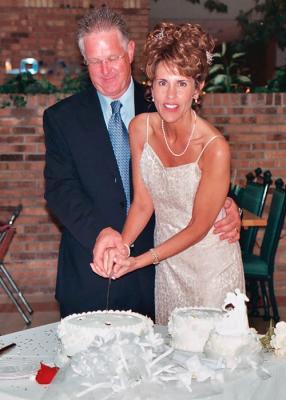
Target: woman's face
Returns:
[[172, 92]]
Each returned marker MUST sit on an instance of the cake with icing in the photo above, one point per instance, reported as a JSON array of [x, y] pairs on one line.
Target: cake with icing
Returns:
[[77, 331], [232, 340], [190, 327], [222, 334]]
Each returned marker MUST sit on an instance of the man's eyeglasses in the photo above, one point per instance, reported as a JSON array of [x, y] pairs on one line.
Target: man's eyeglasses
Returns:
[[96, 62]]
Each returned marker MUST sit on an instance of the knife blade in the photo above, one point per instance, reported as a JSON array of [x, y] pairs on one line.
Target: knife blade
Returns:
[[7, 347], [108, 293]]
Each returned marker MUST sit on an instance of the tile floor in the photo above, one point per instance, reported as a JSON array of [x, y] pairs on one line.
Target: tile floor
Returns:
[[46, 311]]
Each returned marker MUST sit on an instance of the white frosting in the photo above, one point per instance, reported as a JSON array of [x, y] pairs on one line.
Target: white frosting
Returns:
[[190, 327], [221, 334], [232, 349], [77, 331], [231, 339]]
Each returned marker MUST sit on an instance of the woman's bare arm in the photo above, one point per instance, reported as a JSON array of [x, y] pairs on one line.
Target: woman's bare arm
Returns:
[[209, 200], [142, 207]]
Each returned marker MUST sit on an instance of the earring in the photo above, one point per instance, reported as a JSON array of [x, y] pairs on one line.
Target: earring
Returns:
[[196, 100], [153, 99]]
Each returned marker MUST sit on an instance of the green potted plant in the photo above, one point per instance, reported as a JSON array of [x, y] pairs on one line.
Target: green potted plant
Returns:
[[226, 74], [25, 83]]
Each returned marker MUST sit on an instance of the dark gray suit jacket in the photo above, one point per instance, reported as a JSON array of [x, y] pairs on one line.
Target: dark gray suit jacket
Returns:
[[84, 191]]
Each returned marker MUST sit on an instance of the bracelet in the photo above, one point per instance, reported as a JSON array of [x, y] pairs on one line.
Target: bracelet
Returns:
[[155, 256], [128, 249]]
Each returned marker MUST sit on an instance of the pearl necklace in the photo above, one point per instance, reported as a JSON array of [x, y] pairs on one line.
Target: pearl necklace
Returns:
[[189, 141]]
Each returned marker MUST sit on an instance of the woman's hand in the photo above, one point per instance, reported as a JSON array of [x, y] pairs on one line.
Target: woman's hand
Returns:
[[123, 266], [110, 256], [229, 227]]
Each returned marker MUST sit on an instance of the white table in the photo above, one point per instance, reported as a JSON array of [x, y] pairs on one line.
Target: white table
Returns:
[[42, 344], [32, 346]]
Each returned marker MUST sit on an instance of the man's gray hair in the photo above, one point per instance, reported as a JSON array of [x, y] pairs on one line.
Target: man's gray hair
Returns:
[[99, 20]]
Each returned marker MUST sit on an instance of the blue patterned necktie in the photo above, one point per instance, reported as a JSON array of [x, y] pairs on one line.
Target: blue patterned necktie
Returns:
[[120, 143]]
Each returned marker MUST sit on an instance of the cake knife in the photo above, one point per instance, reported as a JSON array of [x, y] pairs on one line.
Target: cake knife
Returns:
[[108, 293]]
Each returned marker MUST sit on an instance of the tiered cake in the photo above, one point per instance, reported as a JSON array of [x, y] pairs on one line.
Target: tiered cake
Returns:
[[220, 334], [190, 327], [77, 331], [232, 340]]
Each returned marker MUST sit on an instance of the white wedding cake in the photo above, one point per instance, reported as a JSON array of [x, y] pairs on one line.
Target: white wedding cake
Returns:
[[190, 327], [221, 334], [232, 340], [76, 332]]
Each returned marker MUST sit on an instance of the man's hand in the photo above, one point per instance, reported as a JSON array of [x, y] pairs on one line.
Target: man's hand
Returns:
[[107, 239], [229, 227]]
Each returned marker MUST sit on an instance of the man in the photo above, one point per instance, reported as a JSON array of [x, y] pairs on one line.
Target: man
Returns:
[[85, 188]]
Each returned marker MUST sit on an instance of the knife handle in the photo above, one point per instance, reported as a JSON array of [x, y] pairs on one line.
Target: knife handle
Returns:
[[5, 348]]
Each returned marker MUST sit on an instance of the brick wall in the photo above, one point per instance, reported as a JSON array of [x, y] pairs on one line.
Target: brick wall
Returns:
[[46, 31], [255, 125]]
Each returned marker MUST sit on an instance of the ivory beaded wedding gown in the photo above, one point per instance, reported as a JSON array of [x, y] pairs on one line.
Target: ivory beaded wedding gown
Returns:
[[202, 274]]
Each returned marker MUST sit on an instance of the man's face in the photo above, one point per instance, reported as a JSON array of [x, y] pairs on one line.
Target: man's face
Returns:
[[109, 62]]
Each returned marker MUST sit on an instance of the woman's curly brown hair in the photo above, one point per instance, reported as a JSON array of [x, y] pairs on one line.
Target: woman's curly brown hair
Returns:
[[183, 46]]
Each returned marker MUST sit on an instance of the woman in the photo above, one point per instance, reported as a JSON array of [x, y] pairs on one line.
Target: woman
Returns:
[[181, 169]]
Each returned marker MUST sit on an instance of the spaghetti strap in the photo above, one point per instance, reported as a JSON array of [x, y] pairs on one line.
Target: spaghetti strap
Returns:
[[206, 145], [147, 128]]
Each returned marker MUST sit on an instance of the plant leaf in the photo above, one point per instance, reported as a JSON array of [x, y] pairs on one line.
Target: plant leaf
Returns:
[[223, 48], [237, 55], [220, 79], [243, 79], [216, 55], [215, 68]]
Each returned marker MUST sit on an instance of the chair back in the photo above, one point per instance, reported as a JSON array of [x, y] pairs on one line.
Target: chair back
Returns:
[[238, 194], [253, 199], [6, 237], [274, 227]]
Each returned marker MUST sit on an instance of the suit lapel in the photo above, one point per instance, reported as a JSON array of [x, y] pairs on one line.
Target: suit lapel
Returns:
[[94, 123]]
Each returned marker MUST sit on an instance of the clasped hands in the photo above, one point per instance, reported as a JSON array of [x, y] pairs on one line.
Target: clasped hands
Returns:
[[111, 257]]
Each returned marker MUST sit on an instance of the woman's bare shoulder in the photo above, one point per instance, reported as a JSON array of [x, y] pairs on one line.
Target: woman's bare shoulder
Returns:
[[209, 134], [141, 122], [207, 130]]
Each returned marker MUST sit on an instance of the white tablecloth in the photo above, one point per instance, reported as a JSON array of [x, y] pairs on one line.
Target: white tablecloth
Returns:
[[32, 346], [41, 344]]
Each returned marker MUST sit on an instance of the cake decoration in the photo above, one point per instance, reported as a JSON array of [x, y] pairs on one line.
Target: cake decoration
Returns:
[[127, 366]]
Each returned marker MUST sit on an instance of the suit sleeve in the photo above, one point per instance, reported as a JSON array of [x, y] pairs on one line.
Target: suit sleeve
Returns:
[[64, 192]]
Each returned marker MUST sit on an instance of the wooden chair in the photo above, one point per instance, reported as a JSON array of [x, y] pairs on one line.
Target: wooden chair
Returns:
[[259, 269], [6, 281]]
